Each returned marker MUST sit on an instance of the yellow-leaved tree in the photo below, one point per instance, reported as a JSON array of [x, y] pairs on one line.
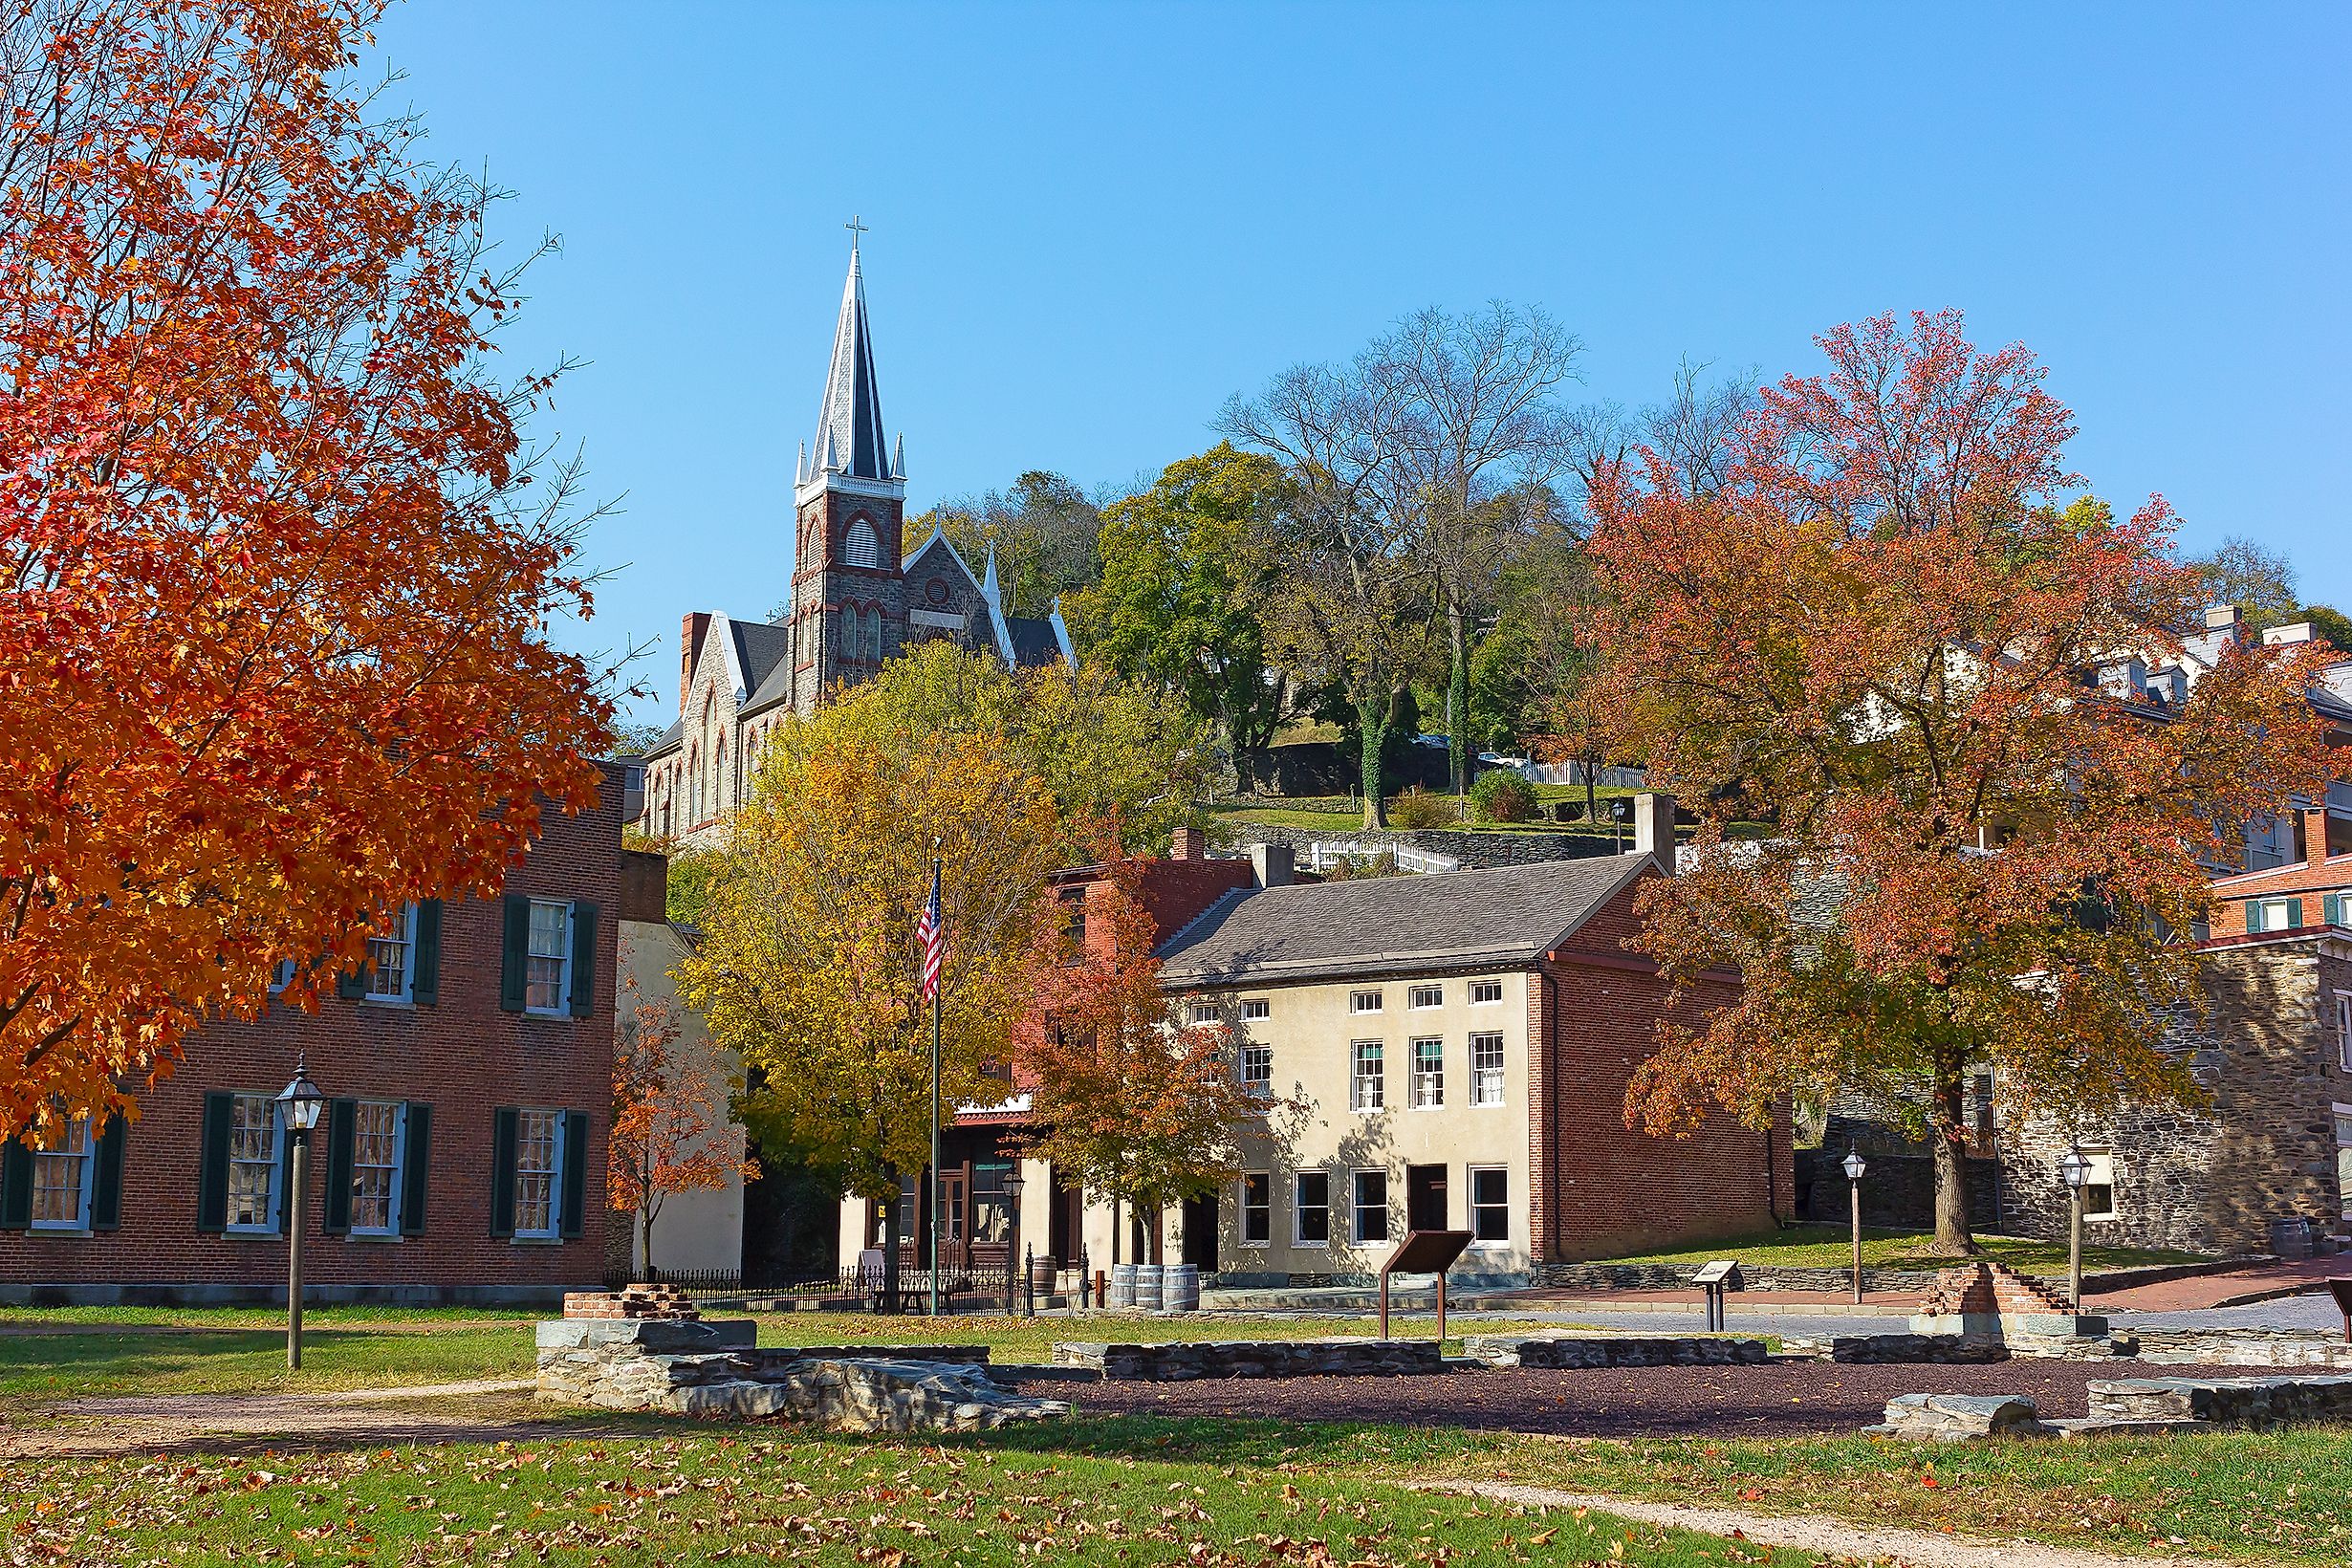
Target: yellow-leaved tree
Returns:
[[809, 967]]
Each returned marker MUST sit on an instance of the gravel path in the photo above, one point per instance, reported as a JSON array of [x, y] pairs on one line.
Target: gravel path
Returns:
[[447, 1412], [1774, 1400], [1835, 1538]]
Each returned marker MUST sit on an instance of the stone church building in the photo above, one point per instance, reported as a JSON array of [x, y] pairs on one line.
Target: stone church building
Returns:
[[859, 597]]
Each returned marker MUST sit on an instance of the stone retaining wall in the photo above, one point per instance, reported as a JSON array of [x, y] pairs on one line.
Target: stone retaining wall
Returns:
[[1181, 1363], [2246, 1346], [713, 1369], [2238, 1402], [1585, 1350], [1899, 1349], [1672, 1277]]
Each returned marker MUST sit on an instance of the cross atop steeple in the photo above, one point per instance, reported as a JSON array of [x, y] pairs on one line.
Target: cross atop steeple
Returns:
[[855, 229]]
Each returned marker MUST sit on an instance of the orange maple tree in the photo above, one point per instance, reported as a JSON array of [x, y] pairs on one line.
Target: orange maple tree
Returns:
[[1888, 634], [672, 1129], [276, 563], [1128, 1100]]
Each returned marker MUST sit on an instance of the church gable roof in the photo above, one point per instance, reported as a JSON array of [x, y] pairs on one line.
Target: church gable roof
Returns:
[[1034, 643], [760, 650], [937, 553]]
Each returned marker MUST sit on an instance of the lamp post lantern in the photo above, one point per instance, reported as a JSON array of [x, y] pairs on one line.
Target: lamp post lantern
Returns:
[[1014, 1183], [299, 1102], [1855, 1166], [2076, 1170]]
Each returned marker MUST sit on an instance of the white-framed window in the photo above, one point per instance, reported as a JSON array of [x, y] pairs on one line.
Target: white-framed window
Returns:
[[2099, 1186], [1256, 1210], [256, 1143], [1489, 1205], [1426, 996], [1257, 1070], [1486, 1054], [547, 966], [1200, 1012], [61, 1176], [1256, 1010], [391, 974], [539, 1174], [282, 976], [1311, 1208], [1428, 1089], [2343, 1029], [378, 1133], [1367, 1082], [1364, 1001], [2343, 1157], [1484, 993], [1371, 1205], [2273, 915]]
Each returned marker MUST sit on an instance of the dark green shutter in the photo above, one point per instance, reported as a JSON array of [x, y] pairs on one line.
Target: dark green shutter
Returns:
[[2330, 909], [2295, 914], [352, 984], [502, 1172], [15, 1186], [424, 956], [415, 1160], [342, 1119], [106, 1187], [583, 959], [2253, 916], [212, 1163], [515, 953], [575, 1173]]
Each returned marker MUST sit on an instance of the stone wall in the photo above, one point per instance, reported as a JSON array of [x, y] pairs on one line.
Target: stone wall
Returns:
[[1472, 849], [1590, 1350], [2246, 1346], [2233, 1401], [1253, 1359]]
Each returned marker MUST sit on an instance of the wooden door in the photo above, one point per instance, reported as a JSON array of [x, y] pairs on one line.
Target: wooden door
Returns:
[[1424, 1197]]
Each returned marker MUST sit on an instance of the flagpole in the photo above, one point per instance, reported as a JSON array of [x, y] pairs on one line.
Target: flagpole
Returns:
[[935, 990]]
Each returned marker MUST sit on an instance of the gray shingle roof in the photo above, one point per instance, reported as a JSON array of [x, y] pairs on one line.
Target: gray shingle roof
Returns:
[[1456, 920], [1034, 643], [761, 648]]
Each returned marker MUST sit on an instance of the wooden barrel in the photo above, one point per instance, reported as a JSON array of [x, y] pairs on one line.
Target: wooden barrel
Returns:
[[1180, 1287], [1122, 1285], [1044, 1272], [1148, 1287]]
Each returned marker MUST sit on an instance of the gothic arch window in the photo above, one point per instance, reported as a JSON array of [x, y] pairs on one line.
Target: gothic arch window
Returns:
[[874, 634], [719, 779], [862, 546]]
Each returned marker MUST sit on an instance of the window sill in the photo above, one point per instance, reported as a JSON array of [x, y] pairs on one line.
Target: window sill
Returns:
[[253, 1234], [547, 1013], [536, 1241], [374, 1235], [387, 1001], [53, 1228]]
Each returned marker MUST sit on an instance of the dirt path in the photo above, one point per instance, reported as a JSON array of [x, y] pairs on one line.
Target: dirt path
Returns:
[[447, 1412], [1887, 1544]]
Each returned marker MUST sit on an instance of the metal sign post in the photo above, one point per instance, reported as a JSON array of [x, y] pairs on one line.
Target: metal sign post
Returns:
[[1424, 1252], [1716, 1278]]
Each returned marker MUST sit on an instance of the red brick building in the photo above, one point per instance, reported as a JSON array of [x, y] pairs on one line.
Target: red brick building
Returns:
[[460, 1158]]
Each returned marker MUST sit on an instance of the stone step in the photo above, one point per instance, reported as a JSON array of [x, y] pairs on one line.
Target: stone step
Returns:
[[2118, 1427]]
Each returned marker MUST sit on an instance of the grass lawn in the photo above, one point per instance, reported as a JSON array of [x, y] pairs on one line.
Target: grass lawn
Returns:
[[1072, 1495], [2277, 1495], [1832, 1247]]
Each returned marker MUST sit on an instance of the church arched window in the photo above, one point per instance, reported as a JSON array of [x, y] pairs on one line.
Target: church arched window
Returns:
[[874, 634], [862, 547]]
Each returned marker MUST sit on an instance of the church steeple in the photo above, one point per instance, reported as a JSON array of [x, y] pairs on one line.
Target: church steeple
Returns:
[[849, 425]]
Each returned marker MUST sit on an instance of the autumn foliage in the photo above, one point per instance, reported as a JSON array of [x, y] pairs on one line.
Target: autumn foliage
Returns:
[[672, 1129], [274, 560], [1888, 634], [1129, 1100]]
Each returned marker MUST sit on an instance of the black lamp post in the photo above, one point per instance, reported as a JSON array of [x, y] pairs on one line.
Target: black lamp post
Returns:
[[1014, 1183], [2076, 1170], [1854, 1168], [299, 1102]]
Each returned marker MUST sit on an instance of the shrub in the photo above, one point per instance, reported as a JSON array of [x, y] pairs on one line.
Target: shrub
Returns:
[[1418, 808], [1500, 796]]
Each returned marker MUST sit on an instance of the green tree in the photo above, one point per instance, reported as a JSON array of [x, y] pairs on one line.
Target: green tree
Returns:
[[1175, 605], [1042, 529], [2259, 581]]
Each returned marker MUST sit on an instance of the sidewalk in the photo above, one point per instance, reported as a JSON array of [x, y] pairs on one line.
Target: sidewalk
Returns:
[[2263, 1282]]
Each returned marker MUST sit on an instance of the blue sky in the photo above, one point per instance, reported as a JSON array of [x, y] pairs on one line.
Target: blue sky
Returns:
[[1089, 224]]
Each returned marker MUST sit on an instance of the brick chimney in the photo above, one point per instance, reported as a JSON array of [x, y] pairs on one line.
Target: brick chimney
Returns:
[[690, 634], [1189, 844], [1653, 829]]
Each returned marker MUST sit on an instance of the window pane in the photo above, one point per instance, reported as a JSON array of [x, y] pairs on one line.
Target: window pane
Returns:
[[1258, 1209], [1489, 1203], [1369, 1091], [1428, 996], [1486, 1069], [1371, 1205], [1255, 1011], [57, 1177], [534, 1172], [252, 1161], [551, 953], [375, 1164], [1429, 1073], [387, 957], [1314, 1205], [1485, 991], [1257, 1068]]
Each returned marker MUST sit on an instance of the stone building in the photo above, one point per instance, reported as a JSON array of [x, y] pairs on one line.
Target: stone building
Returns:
[[858, 598]]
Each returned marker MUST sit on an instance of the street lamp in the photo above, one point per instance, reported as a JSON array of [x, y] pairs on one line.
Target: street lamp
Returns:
[[1854, 1168], [2077, 1171], [1014, 1183], [299, 1102]]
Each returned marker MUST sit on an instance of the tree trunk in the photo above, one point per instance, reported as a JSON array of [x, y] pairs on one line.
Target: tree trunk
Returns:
[[1116, 1228], [1457, 696], [1372, 728], [1152, 1235], [1592, 790], [1945, 1130], [644, 1238]]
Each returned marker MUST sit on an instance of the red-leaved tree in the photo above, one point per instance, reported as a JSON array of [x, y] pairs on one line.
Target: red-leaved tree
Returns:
[[671, 1130], [275, 564], [1888, 634], [1127, 1100]]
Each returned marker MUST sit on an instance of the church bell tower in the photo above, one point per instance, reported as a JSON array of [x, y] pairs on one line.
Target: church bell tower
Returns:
[[849, 504]]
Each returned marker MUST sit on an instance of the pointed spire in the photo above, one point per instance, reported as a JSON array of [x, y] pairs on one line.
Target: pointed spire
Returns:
[[898, 459], [988, 582], [801, 468], [849, 424]]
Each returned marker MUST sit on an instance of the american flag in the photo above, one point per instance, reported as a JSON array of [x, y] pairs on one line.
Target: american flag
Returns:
[[933, 936]]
